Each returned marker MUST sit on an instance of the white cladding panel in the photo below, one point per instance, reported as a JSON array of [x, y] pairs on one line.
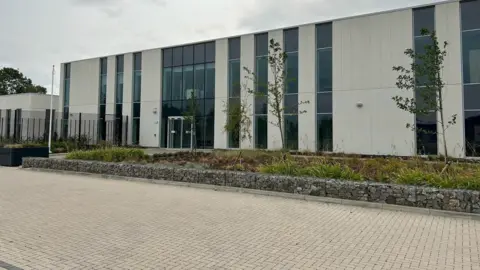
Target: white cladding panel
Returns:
[[247, 59], [366, 119], [221, 94], [274, 134], [150, 107]]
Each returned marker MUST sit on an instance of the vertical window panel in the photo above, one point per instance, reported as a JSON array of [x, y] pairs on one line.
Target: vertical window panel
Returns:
[[292, 73], [167, 84], [290, 40], [210, 80], [199, 53], [199, 81], [210, 52]]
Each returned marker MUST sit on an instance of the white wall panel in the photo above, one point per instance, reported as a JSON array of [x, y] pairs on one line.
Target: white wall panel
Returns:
[[127, 92], [364, 51], [274, 135], [247, 59], [221, 94], [306, 88], [150, 108], [447, 17]]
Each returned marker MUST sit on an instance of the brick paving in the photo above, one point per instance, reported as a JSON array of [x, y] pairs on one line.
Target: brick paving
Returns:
[[52, 221]]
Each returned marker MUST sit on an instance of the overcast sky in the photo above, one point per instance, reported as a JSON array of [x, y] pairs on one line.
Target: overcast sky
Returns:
[[36, 34]]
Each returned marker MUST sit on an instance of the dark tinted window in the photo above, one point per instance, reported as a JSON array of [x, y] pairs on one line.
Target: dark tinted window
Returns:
[[472, 126], [210, 52], [324, 70], [234, 48], [167, 57], [199, 53], [261, 106], [261, 131], [119, 63], [291, 131], [423, 18], [471, 96], [137, 61], [261, 44], [103, 65], [324, 35], [324, 132], [67, 71], [324, 102], [188, 55], [471, 56], [177, 56], [470, 15], [290, 40], [291, 104]]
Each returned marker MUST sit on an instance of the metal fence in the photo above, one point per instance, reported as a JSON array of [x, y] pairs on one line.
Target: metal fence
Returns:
[[18, 126]]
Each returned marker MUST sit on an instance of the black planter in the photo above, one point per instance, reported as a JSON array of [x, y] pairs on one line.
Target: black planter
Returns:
[[12, 157]]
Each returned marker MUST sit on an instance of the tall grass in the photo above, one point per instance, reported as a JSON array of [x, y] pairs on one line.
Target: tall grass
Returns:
[[114, 154]]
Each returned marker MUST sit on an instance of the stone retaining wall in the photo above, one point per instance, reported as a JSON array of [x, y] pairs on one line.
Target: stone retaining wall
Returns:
[[415, 196]]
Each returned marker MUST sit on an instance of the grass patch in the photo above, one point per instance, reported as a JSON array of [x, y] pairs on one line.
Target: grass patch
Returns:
[[114, 154]]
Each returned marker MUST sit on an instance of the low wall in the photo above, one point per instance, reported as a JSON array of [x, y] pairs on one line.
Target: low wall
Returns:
[[415, 196]]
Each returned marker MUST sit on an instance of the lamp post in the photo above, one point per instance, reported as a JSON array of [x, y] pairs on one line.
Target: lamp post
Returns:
[[51, 113]]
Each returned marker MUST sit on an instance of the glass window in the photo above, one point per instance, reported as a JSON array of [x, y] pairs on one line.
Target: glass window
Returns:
[[324, 70], [234, 135], [471, 96], [470, 18], [67, 70], [209, 131], [176, 108], [420, 49], [199, 81], [324, 35], [66, 93], [136, 130], [291, 131], [426, 134], [472, 133], [422, 95], [136, 109], [261, 106], [261, 132], [261, 69], [137, 86], [234, 78], [324, 133], [199, 53], [261, 44], [118, 110], [234, 48], [210, 107], [471, 56], [188, 55], [233, 103], [324, 102], [210, 52], [177, 84], [103, 89], [167, 57], [200, 133], [167, 84], [103, 65], [137, 61], [102, 111], [290, 40], [290, 104], [188, 82], [119, 63], [423, 18], [210, 80], [292, 73], [177, 56]]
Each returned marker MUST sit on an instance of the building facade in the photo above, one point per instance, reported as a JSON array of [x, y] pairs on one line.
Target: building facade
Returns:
[[26, 116], [343, 68]]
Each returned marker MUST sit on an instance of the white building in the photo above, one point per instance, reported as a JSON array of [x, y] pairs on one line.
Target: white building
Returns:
[[26, 116], [342, 67]]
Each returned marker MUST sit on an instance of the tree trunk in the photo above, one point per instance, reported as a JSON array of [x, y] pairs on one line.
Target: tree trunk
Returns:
[[442, 123]]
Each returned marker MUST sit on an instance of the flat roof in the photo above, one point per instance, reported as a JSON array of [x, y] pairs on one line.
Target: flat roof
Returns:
[[275, 29]]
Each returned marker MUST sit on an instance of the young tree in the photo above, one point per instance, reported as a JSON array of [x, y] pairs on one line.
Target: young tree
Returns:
[[424, 79], [276, 88]]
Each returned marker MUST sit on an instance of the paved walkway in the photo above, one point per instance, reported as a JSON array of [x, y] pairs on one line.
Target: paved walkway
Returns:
[[50, 221]]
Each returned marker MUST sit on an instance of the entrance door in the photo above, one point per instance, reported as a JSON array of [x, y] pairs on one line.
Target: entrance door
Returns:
[[179, 135]]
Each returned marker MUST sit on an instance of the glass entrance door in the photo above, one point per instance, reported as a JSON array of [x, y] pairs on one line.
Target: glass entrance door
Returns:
[[179, 135]]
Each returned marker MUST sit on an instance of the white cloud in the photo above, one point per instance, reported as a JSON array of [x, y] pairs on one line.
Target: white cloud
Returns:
[[37, 34]]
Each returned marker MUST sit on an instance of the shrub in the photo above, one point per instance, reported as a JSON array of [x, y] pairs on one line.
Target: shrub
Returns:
[[109, 154]]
